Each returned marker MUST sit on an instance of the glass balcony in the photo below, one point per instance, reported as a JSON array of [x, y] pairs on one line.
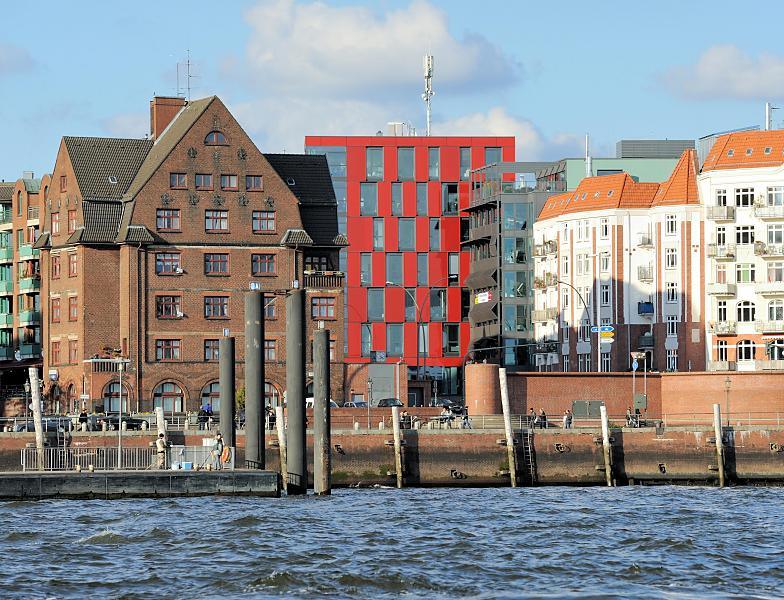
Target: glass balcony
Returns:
[[6, 353], [769, 326], [721, 289], [29, 284], [6, 320], [769, 212], [721, 252], [6, 253], [27, 252], [30, 351], [6, 287], [5, 217], [720, 213], [29, 317]]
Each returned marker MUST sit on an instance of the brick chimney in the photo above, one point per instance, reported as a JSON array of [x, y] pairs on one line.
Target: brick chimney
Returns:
[[163, 109]]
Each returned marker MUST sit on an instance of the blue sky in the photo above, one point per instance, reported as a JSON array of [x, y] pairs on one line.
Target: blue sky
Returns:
[[546, 72]]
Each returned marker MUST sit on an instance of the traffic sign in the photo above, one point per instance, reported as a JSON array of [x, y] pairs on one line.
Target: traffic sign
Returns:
[[606, 334], [607, 328], [594, 329], [635, 364], [607, 340]]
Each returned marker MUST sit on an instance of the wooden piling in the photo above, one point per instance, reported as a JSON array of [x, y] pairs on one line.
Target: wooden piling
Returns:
[[398, 446], [510, 448], [35, 395], [322, 436], [280, 425], [719, 442], [606, 446]]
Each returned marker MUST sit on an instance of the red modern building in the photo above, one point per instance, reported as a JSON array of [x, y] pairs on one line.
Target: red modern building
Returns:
[[400, 203]]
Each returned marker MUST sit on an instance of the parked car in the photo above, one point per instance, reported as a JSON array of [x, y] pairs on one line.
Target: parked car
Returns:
[[49, 423], [112, 422], [358, 404], [309, 403], [389, 402]]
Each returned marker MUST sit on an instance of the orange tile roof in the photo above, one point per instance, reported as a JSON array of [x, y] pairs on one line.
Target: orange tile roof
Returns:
[[746, 149], [681, 187]]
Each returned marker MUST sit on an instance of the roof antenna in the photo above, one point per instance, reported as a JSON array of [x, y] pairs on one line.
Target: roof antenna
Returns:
[[588, 165], [769, 108], [188, 77], [427, 63]]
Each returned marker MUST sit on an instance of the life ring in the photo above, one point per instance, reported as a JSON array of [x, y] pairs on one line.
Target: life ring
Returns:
[[225, 455]]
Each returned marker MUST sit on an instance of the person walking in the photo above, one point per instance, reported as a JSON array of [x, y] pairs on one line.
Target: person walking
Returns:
[[466, 424], [532, 420], [566, 420], [569, 417], [542, 419], [161, 445]]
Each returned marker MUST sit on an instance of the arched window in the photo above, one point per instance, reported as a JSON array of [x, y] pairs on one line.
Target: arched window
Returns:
[[111, 398], [215, 138], [776, 310], [210, 395], [745, 311], [271, 395], [775, 350], [745, 350], [169, 396]]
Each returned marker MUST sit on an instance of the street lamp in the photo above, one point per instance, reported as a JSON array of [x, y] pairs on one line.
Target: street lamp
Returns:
[[590, 322], [727, 384]]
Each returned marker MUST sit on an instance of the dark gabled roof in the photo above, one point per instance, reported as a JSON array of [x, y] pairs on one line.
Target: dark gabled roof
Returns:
[[307, 176], [6, 191], [101, 222], [42, 241], [135, 234], [296, 237], [32, 186], [98, 162]]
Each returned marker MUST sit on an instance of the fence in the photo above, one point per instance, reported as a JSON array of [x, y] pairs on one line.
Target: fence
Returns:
[[133, 459]]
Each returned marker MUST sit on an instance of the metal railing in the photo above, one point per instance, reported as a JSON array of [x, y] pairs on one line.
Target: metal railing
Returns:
[[769, 212], [763, 249], [719, 251], [720, 213], [32, 212], [324, 279], [645, 273], [732, 419], [723, 327], [133, 459]]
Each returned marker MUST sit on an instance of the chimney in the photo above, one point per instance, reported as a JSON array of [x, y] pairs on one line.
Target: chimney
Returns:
[[163, 109]]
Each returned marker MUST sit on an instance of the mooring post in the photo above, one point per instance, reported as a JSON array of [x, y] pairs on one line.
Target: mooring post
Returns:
[[510, 447], [227, 390], [160, 422], [322, 444], [296, 459], [606, 445], [35, 399], [254, 380], [280, 425], [719, 441], [398, 446]]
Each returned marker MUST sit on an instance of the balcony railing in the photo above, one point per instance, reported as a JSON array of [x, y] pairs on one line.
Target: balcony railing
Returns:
[[6, 216], [545, 314], [29, 284], [645, 308], [722, 365], [6, 253], [6, 353], [6, 287], [645, 341], [724, 327], [769, 212], [29, 317], [721, 289], [32, 212], [27, 252], [645, 273], [771, 288], [770, 365], [724, 251], [646, 241], [545, 280], [768, 250], [30, 350], [720, 213], [6, 320], [324, 279], [769, 326]]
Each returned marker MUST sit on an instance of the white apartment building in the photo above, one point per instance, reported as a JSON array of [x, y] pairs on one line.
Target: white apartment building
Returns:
[[742, 188], [626, 257]]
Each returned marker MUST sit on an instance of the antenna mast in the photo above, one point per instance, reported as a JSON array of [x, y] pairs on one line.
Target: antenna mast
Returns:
[[188, 76], [427, 63]]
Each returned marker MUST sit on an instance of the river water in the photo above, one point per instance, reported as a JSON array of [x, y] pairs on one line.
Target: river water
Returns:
[[641, 542]]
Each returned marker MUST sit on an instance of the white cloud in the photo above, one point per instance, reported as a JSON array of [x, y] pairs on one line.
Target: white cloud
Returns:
[[726, 71], [14, 59], [130, 125], [340, 50]]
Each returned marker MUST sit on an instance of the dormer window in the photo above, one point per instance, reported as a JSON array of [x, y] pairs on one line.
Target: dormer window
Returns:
[[748, 151], [215, 138], [730, 152], [768, 149]]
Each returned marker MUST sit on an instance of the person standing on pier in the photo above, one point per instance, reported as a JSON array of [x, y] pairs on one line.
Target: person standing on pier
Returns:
[[160, 446], [218, 450], [542, 419], [532, 418]]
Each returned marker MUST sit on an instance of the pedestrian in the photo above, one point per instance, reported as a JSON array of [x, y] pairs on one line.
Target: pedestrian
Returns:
[[566, 420], [202, 418], [270, 418], [208, 414], [83, 419], [466, 424], [160, 446], [532, 418], [569, 417], [542, 419], [629, 417], [218, 446]]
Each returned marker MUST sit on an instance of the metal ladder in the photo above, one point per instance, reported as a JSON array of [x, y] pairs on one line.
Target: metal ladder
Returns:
[[528, 455]]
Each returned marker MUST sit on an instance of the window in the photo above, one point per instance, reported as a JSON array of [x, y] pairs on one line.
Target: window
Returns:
[[450, 339], [375, 299], [745, 273], [216, 307], [565, 329], [583, 363], [216, 264], [454, 269], [437, 304], [670, 258], [262, 264], [493, 155], [406, 234], [721, 311], [71, 221], [745, 350], [435, 235], [449, 198], [228, 182], [322, 308], [776, 234], [397, 199], [73, 264], [672, 325], [721, 350], [63, 183], [73, 351], [55, 358], [405, 164], [203, 181], [565, 265], [746, 311], [565, 367], [465, 163], [55, 267], [721, 235], [254, 183], [216, 220], [776, 272], [606, 362], [169, 397], [368, 199], [670, 225], [167, 219], [421, 199], [366, 268], [583, 264], [55, 223], [374, 164], [776, 310], [672, 292], [55, 310], [367, 339], [776, 196], [564, 298], [270, 350], [215, 138], [178, 181], [411, 311], [264, 221], [378, 234], [422, 278], [744, 234], [584, 331], [167, 350], [604, 262], [605, 294], [744, 197], [672, 360], [721, 273], [394, 268], [395, 339], [210, 397], [211, 352], [434, 164], [73, 308], [721, 197], [269, 307], [604, 228], [168, 307]]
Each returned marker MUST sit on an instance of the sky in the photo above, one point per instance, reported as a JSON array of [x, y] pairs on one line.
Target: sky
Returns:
[[545, 72]]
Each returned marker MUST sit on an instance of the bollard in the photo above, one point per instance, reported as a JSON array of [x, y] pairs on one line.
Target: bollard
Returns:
[[280, 425], [160, 422], [510, 449], [227, 389], [356, 426], [606, 445], [719, 442], [322, 445], [103, 426], [398, 446], [35, 391], [254, 380], [124, 425], [145, 425], [84, 426], [296, 458]]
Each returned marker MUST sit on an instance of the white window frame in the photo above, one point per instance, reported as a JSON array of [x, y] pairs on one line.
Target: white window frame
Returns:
[[670, 225], [670, 258], [604, 228], [672, 360], [605, 294], [672, 292], [672, 326]]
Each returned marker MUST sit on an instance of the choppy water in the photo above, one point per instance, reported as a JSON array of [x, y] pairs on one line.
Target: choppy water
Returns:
[[670, 542]]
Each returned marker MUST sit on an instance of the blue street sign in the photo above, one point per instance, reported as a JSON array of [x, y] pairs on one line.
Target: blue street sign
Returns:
[[635, 364], [607, 328], [594, 329]]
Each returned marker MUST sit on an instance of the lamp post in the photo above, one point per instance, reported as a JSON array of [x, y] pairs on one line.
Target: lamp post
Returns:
[[727, 384], [590, 322]]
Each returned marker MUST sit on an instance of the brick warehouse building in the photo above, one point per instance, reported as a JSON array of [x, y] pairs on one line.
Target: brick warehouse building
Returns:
[[148, 247], [401, 202]]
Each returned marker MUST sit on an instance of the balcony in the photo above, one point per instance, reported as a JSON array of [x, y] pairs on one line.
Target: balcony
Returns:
[[646, 241], [768, 250], [645, 273], [6, 287], [721, 289], [545, 281], [32, 213], [545, 314], [6, 217], [6, 319], [645, 309], [770, 288], [769, 326], [722, 365], [29, 317], [723, 252], [28, 285], [6, 353], [720, 213], [30, 351], [769, 212], [723, 327], [27, 252], [546, 248], [770, 365], [6, 254], [645, 341], [332, 280]]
